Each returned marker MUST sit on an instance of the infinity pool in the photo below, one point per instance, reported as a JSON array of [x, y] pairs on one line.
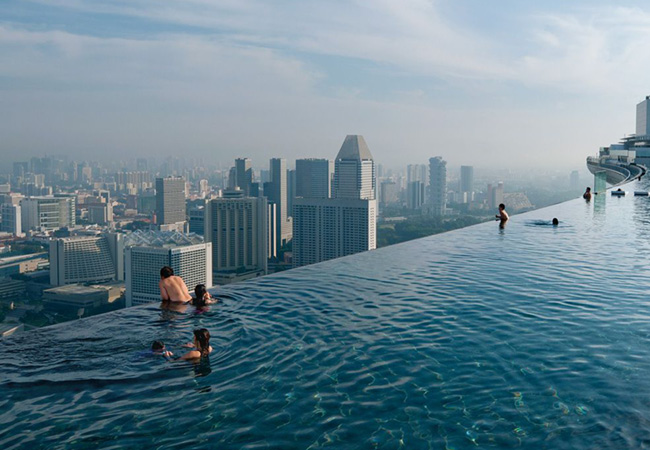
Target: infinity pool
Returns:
[[527, 337]]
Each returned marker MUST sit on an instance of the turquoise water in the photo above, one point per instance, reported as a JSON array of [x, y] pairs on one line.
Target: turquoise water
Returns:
[[528, 337]]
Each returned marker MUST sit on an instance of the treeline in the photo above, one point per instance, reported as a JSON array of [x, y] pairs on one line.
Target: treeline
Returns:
[[418, 227]]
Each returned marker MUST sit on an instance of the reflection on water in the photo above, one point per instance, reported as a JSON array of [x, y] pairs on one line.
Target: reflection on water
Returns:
[[538, 337]]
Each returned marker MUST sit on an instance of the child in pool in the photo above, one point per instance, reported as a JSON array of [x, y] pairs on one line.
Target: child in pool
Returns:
[[201, 346], [158, 349]]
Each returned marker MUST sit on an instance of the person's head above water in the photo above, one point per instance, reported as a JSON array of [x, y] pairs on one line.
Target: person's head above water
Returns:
[[202, 341], [166, 272], [201, 294], [555, 221], [502, 206], [588, 189], [157, 346]]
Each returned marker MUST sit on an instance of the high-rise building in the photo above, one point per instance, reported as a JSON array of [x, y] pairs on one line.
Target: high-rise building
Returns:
[[11, 219], [354, 170], [243, 175], [331, 228], [574, 180], [314, 178], [327, 228], [495, 195], [277, 195], [389, 193], [466, 183], [437, 200], [643, 117], [146, 252], [86, 259], [415, 195], [417, 172], [100, 213], [47, 213], [291, 190], [170, 202], [237, 231]]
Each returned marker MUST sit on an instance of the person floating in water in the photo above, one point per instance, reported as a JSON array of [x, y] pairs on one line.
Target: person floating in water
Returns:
[[202, 297], [201, 346], [172, 287], [158, 348], [555, 222], [587, 194]]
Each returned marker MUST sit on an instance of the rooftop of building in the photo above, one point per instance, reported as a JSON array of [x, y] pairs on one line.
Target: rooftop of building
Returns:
[[354, 147], [156, 238]]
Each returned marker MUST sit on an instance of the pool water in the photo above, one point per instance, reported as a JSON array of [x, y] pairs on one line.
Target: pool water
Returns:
[[531, 336]]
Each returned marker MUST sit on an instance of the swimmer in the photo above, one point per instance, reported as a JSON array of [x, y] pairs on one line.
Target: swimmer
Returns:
[[555, 222], [158, 348], [587, 194], [172, 287], [503, 215], [202, 296], [201, 346]]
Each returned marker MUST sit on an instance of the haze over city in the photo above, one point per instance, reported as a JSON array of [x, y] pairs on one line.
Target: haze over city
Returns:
[[513, 86]]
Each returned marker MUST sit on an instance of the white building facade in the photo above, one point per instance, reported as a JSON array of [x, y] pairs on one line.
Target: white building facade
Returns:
[[86, 259]]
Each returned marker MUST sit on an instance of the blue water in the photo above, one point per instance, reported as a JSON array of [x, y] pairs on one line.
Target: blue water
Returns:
[[533, 337]]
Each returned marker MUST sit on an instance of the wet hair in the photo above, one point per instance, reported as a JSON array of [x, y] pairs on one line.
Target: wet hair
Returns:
[[157, 345], [588, 188], [199, 292], [202, 337], [501, 205], [166, 272], [555, 221]]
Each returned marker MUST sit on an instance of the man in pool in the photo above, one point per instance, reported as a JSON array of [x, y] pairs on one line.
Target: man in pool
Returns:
[[503, 215], [172, 287]]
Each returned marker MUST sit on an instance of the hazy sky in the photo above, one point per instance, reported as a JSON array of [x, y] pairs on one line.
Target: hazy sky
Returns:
[[502, 83]]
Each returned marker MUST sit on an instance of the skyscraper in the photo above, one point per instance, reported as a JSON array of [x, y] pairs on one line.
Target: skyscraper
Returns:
[[437, 200], [415, 195], [354, 170], [495, 195], [11, 219], [170, 202], [643, 117], [466, 183], [277, 194], [314, 178], [326, 228], [146, 252], [47, 213], [243, 175], [237, 230]]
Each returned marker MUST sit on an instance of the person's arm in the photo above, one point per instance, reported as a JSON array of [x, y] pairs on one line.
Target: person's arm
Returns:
[[190, 356], [163, 292]]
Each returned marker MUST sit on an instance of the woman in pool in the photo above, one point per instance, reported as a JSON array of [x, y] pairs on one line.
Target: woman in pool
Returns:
[[202, 296], [202, 346]]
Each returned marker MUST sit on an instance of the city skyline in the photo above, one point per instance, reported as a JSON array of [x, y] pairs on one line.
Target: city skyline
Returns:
[[76, 84]]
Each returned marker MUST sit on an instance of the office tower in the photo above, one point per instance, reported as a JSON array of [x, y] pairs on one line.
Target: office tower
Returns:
[[466, 183], [146, 252], [20, 169], [389, 193], [415, 195], [196, 214], [643, 117], [354, 170], [277, 195], [574, 180], [495, 195], [437, 200], [204, 187], [314, 178], [291, 190], [47, 213], [237, 231], [11, 219], [326, 228], [243, 175], [100, 213], [417, 172], [331, 228], [170, 202], [86, 259]]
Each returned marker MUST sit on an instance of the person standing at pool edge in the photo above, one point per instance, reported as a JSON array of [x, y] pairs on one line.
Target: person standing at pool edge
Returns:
[[172, 287]]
